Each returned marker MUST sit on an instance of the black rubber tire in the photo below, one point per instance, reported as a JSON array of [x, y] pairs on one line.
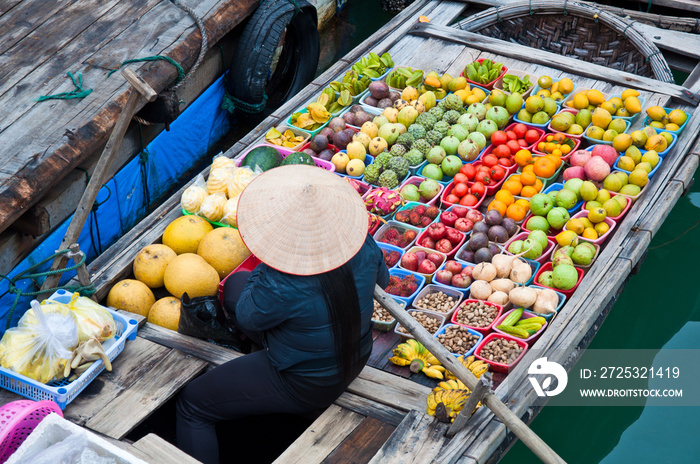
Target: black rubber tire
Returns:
[[248, 75]]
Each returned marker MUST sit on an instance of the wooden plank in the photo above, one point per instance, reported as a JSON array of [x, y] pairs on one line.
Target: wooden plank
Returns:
[[322, 437], [147, 394], [682, 43], [685, 5], [362, 443], [417, 439], [13, 247], [389, 389], [369, 408], [514, 50], [160, 451]]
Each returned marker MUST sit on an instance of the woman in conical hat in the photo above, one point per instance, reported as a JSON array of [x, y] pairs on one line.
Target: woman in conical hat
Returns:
[[309, 305]]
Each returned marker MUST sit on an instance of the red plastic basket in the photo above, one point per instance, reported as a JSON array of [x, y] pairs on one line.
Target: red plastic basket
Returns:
[[18, 419]]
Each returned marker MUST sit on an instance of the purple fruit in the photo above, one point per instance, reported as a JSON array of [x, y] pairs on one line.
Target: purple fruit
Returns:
[[494, 248], [498, 234], [493, 218], [483, 255], [326, 154], [362, 117], [385, 103], [349, 118], [371, 101], [326, 131], [318, 143], [356, 108], [379, 89], [510, 226], [341, 139], [337, 124], [481, 227], [467, 255], [350, 131], [393, 96], [478, 240], [310, 152]]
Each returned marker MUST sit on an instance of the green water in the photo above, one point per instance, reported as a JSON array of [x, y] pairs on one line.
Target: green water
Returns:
[[657, 303]]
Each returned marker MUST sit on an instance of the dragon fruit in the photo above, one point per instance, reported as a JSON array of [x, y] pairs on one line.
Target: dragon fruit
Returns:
[[383, 201], [359, 188]]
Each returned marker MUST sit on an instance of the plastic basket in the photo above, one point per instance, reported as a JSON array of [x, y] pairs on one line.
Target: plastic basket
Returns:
[[555, 187], [489, 85], [483, 330], [622, 213], [384, 326], [650, 175], [400, 227], [572, 136], [444, 182], [311, 133], [496, 366], [600, 240], [456, 247], [584, 267], [560, 102], [417, 180], [386, 247], [567, 293], [521, 74], [296, 131], [403, 336], [448, 190], [63, 392], [546, 253], [432, 288], [469, 352], [401, 273], [668, 148], [369, 159], [428, 277], [593, 141], [248, 264], [562, 300], [526, 315], [18, 419], [647, 121], [573, 93]]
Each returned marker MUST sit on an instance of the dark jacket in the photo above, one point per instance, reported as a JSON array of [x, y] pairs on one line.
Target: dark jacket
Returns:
[[292, 315]]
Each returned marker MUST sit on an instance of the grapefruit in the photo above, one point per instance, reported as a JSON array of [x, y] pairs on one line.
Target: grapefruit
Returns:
[[165, 313], [131, 295], [223, 249], [190, 273], [184, 233], [150, 264]]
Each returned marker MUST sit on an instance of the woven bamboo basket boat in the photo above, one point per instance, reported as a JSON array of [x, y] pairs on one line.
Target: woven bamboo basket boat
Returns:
[[575, 30]]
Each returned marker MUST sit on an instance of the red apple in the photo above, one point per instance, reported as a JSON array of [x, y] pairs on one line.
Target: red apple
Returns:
[[427, 242], [436, 231], [444, 246], [435, 258], [444, 277], [461, 281], [454, 236], [464, 225], [426, 267], [448, 218], [453, 266], [409, 261], [474, 215], [460, 211]]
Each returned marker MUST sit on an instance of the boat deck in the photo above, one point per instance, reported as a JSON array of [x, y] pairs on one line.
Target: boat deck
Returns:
[[381, 418]]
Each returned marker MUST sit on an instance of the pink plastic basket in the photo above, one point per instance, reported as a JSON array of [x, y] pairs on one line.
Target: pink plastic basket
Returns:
[[18, 419]]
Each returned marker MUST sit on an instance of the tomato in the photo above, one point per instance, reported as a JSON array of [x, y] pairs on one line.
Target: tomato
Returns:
[[468, 200], [498, 172], [452, 198], [460, 177], [532, 136], [513, 145], [499, 138], [482, 177], [478, 190], [511, 135], [460, 189], [523, 143], [520, 130], [468, 170], [502, 151], [489, 160], [505, 162], [483, 168]]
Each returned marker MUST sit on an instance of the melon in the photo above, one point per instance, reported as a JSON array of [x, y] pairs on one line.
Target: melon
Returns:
[[190, 273], [298, 158], [223, 249], [184, 233], [263, 157], [131, 295]]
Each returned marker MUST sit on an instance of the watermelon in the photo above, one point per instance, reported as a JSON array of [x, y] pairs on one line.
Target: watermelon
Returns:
[[264, 158], [298, 158]]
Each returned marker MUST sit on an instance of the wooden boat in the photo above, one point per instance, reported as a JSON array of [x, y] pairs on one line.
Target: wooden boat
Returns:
[[381, 418]]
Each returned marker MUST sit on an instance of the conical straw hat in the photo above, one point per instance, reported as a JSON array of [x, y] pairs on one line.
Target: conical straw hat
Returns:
[[302, 219]]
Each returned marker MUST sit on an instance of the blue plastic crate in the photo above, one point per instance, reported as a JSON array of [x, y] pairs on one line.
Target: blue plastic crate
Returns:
[[647, 121], [63, 392], [401, 273], [562, 300], [555, 187], [442, 329]]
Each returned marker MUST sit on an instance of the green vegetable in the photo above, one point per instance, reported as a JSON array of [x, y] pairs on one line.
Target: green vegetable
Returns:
[[513, 317], [513, 83]]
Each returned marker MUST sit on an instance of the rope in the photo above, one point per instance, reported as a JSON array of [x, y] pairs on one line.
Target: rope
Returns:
[[180, 71], [85, 290], [565, 13], [78, 92], [93, 216], [498, 15], [143, 159], [230, 103], [529, 5], [624, 31], [202, 49], [673, 240], [657, 52]]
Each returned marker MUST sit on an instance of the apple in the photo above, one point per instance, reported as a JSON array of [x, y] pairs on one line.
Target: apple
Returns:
[[460, 211], [474, 215], [444, 277], [444, 246], [409, 261], [426, 267], [461, 281], [451, 165], [453, 266], [541, 204], [448, 218], [453, 235], [436, 231], [463, 225]]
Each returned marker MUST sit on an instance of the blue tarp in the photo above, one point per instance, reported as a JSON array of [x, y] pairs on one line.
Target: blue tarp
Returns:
[[123, 200]]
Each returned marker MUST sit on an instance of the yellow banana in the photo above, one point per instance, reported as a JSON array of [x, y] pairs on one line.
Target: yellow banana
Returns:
[[433, 372]]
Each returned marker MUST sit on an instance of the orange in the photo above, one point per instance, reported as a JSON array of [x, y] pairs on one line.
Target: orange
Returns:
[[559, 137], [516, 212], [523, 157], [528, 191], [549, 138], [557, 151], [540, 146], [513, 186], [515, 178], [528, 178], [544, 167], [505, 197], [565, 149], [524, 203], [549, 147], [528, 168], [538, 185], [498, 206], [556, 159]]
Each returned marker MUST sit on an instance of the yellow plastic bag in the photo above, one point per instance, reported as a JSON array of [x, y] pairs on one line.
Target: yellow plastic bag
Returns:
[[42, 344], [93, 320]]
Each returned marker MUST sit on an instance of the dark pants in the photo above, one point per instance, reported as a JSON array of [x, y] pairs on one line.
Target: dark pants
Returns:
[[245, 386]]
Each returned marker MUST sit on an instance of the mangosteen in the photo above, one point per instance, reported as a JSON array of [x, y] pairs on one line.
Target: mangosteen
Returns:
[[351, 132], [341, 139], [510, 226], [493, 218], [393, 96], [468, 256], [478, 240], [480, 226], [498, 234], [384, 103], [337, 124], [326, 154], [371, 101], [349, 118], [379, 89], [327, 132], [318, 143], [362, 117], [356, 108], [494, 248], [483, 255], [310, 152]]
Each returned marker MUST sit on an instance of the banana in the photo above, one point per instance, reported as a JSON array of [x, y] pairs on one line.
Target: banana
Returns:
[[433, 372]]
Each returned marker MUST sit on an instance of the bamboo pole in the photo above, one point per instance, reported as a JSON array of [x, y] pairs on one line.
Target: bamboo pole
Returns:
[[513, 422]]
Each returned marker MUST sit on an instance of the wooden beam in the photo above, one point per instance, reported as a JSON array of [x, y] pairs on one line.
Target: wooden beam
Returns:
[[513, 50]]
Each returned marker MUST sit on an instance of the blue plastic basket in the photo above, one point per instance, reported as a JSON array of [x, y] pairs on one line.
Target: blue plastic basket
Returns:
[[593, 141], [369, 159], [442, 329], [63, 392], [647, 121], [555, 187], [401, 273], [562, 300], [387, 247], [668, 149], [650, 175]]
